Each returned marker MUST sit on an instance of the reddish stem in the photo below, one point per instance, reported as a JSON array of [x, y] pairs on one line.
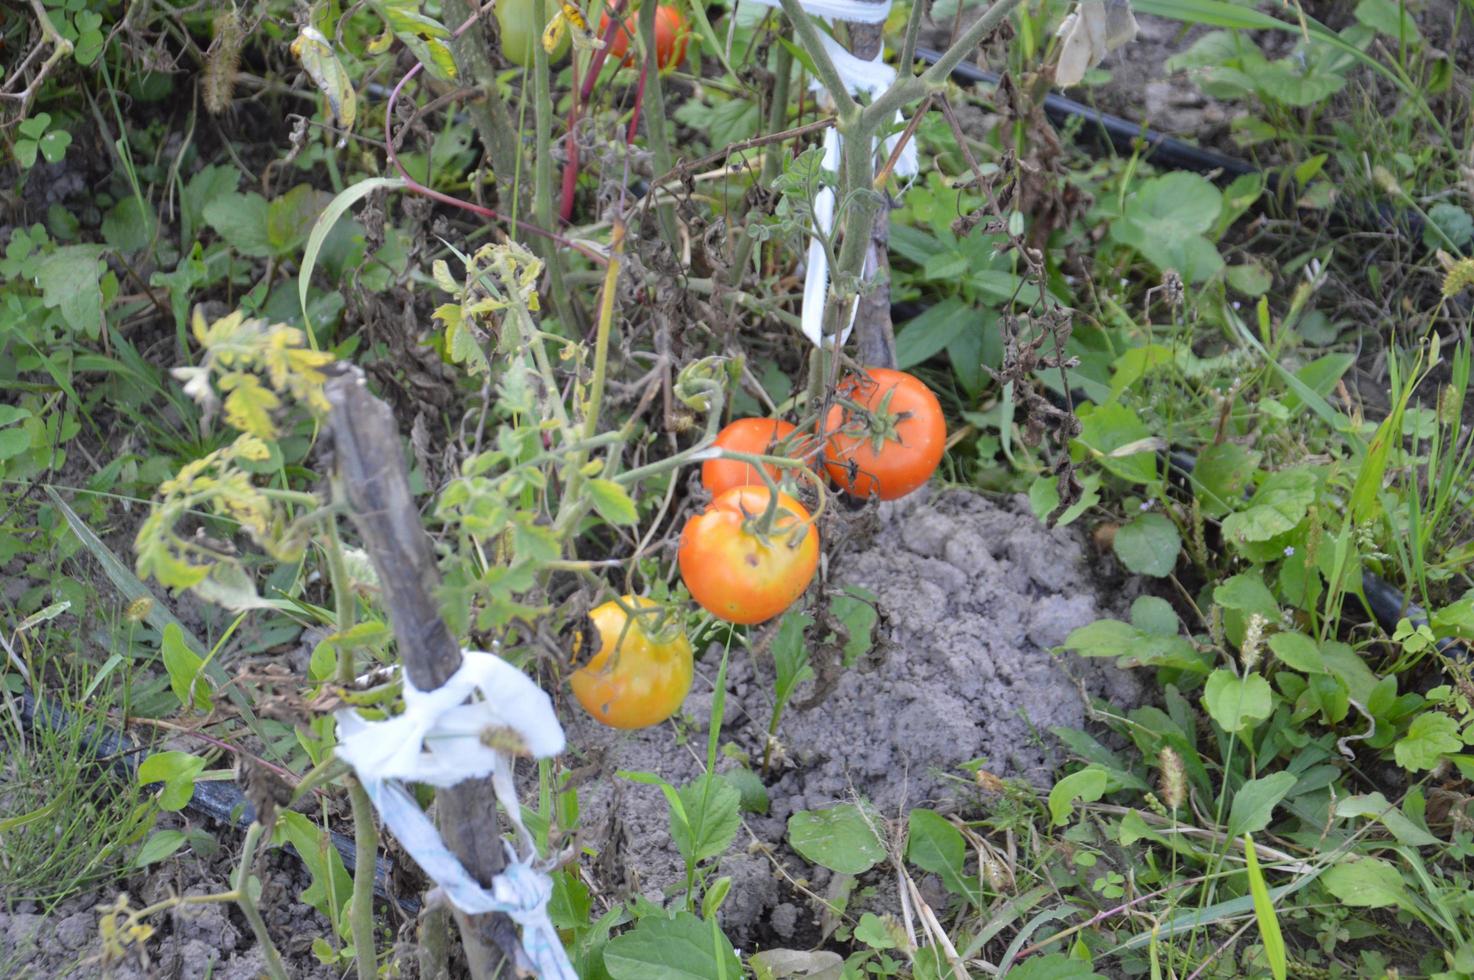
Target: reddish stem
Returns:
[[570, 144], [639, 101], [418, 188], [581, 98]]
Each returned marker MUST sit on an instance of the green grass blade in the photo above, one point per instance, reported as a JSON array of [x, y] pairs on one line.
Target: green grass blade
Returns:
[[325, 222], [1269, 923]]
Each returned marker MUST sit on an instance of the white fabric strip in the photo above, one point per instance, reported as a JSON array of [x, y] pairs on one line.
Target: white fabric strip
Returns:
[[857, 11], [440, 740], [860, 77]]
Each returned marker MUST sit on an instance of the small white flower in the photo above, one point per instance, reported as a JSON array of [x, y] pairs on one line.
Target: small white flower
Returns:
[[1289, 551], [1146, 505]]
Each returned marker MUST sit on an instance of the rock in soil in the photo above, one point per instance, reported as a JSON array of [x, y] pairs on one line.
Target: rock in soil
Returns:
[[972, 594]]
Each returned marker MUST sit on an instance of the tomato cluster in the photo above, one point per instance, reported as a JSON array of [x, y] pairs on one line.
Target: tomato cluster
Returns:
[[754, 549]]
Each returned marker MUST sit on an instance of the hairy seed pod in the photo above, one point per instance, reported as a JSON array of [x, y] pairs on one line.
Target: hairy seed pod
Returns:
[[221, 61]]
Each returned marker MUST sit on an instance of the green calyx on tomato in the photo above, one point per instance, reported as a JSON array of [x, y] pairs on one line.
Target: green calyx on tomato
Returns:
[[517, 23], [641, 671], [886, 434], [749, 555]]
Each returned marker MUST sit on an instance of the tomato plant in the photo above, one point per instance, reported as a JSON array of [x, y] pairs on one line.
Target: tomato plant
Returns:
[[671, 37], [886, 435], [517, 22], [641, 672], [740, 570], [761, 437]]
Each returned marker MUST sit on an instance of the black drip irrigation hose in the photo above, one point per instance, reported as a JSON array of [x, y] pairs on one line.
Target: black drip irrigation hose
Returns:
[[216, 799], [1128, 137], [1385, 601]]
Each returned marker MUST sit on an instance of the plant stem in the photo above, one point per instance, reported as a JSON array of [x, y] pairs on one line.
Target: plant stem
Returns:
[[913, 87], [365, 834], [655, 121], [772, 156], [542, 179], [365, 856], [274, 965]]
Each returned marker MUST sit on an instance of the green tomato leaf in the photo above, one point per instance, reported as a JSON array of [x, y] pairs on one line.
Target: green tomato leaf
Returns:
[[613, 503]]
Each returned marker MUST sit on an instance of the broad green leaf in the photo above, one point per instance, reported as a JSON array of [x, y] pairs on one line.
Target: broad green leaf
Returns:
[[177, 771], [240, 219], [206, 185], [1165, 220], [752, 793], [1392, 18], [613, 503], [1110, 432], [1298, 651], [1430, 737], [933, 844], [159, 846], [290, 216], [1237, 704], [791, 654], [1376, 807], [1247, 593], [1278, 506], [1134, 646], [1148, 545], [1264, 914], [184, 667], [679, 948], [1154, 615], [1087, 786], [841, 838], [710, 806], [129, 225], [921, 337], [1254, 803], [1366, 883], [71, 282]]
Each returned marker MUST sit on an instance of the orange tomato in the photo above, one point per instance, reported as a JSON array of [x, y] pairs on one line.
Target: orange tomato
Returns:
[[894, 445], [671, 37], [639, 676], [737, 573], [757, 436]]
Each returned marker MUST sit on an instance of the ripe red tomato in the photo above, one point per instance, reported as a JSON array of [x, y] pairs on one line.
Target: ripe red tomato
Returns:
[[732, 571], [757, 436], [640, 674], [671, 37], [895, 445]]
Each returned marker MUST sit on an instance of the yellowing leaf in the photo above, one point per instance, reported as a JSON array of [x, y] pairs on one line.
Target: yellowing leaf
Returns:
[[249, 405], [321, 63]]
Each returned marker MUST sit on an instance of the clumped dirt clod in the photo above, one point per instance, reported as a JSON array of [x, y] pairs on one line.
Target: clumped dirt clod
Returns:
[[973, 594]]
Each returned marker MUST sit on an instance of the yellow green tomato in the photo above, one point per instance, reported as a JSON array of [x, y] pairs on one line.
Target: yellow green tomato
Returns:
[[521, 29]]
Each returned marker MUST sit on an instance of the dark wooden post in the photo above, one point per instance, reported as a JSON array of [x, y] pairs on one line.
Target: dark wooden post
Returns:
[[370, 462]]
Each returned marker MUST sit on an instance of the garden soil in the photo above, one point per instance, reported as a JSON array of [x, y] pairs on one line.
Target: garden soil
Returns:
[[973, 595]]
